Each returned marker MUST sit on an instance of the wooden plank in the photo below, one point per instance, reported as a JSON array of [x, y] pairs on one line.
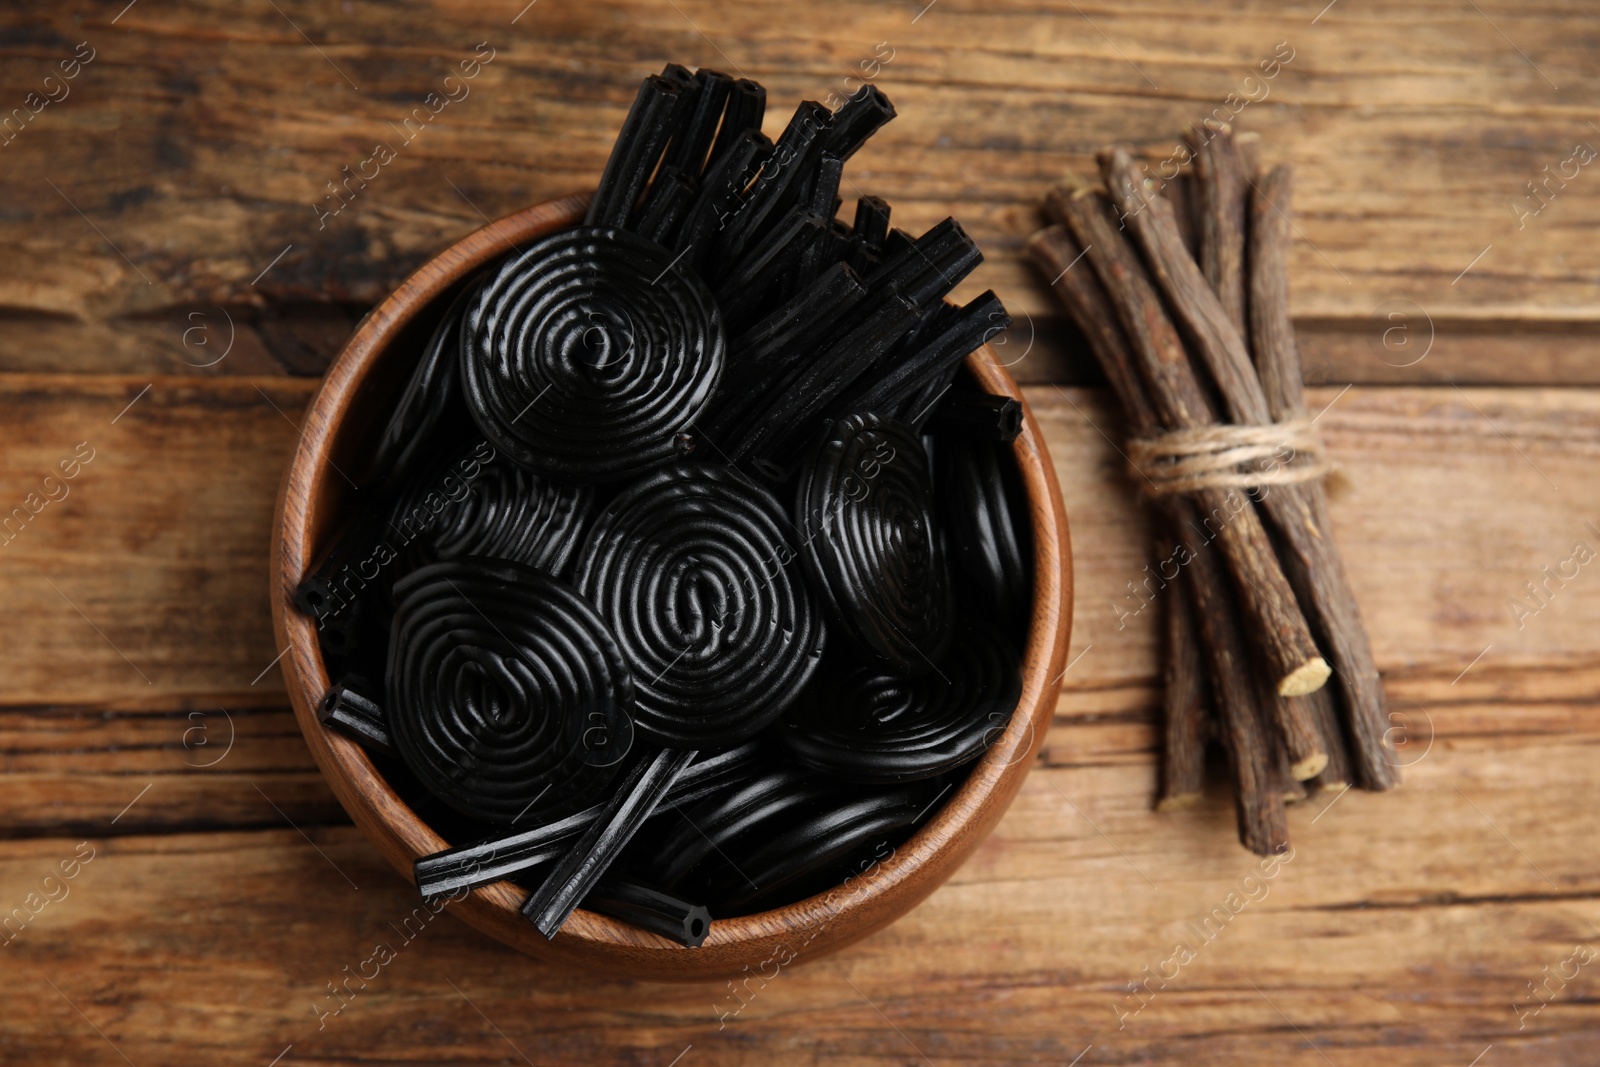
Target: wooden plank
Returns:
[[1409, 922], [1468, 494], [146, 582], [225, 128], [156, 770]]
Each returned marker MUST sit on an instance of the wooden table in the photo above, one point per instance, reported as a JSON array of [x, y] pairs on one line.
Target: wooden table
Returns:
[[170, 293]]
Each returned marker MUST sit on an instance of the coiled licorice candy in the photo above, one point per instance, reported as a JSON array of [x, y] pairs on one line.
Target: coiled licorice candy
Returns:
[[508, 697], [431, 404], [589, 356], [777, 837], [478, 503], [869, 543], [693, 570], [986, 526], [868, 724]]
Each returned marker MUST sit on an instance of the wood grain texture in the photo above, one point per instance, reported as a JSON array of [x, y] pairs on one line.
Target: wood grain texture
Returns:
[[202, 135], [1407, 928]]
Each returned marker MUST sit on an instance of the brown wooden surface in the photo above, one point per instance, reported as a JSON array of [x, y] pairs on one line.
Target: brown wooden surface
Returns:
[[1408, 925]]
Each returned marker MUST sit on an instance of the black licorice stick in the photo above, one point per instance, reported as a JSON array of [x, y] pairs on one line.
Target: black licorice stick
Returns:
[[650, 909], [774, 346], [668, 201], [770, 270], [470, 866], [929, 266], [822, 193], [872, 220], [782, 178], [747, 107], [698, 128], [355, 716], [857, 119], [638, 148], [721, 192], [586, 862], [335, 582], [933, 356], [980, 416], [940, 265], [788, 415]]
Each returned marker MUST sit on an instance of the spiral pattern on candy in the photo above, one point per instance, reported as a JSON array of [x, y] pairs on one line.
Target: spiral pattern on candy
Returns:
[[507, 695], [478, 503], [779, 837], [985, 513], [871, 725], [692, 570], [590, 356], [865, 508]]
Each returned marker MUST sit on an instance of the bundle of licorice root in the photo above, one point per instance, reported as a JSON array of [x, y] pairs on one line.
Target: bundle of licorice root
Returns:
[[691, 568], [1179, 284]]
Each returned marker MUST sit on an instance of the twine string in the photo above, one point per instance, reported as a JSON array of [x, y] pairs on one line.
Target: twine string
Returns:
[[1234, 457]]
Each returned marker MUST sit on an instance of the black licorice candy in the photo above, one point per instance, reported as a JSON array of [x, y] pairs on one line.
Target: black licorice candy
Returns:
[[627, 399], [356, 716], [980, 416], [590, 355], [694, 572], [650, 909], [818, 851], [429, 405], [871, 550], [483, 862], [985, 518], [477, 503], [506, 692], [870, 724], [586, 862]]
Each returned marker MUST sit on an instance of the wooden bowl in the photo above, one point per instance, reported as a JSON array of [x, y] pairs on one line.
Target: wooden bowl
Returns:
[[341, 426]]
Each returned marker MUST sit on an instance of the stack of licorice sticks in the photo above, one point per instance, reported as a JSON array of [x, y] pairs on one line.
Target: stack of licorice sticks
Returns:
[[1180, 288]]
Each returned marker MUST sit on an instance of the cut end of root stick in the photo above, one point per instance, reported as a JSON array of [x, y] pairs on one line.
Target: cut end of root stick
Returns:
[[1309, 767], [1306, 678], [1178, 802]]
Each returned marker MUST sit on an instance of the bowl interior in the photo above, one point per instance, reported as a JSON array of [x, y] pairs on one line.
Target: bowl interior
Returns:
[[319, 493]]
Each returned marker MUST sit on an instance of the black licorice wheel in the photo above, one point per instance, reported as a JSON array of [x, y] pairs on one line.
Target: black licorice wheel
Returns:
[[589, 356], [507, 695], [430, 403], [779, 836], [852, 833], [982, 504], [868, 724], [478, 503], [692, 569], [869, 544]]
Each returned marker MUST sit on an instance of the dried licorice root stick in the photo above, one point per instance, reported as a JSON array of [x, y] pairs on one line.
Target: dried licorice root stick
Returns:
[[1222, 220], [1263, 822], [1278, 360], [1184, 696], [1274, 616], [1309, 557], [1247, 732]]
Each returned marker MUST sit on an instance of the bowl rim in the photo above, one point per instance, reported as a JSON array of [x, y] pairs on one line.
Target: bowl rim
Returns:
[[901, 880]]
